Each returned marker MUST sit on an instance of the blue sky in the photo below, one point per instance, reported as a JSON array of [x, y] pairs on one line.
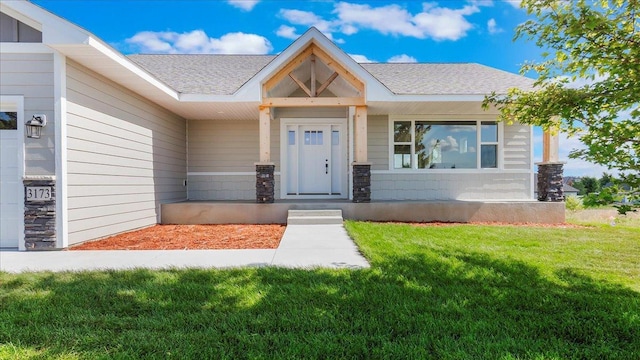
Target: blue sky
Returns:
[[478, 31]]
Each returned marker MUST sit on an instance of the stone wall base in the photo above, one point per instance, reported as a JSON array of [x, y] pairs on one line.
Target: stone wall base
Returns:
[[550, 182], [40, 215], [361, 183], [265, 183]]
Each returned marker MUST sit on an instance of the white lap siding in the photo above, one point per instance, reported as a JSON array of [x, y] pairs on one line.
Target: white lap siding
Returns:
[[125, 157], [31, 76], [517, 147]]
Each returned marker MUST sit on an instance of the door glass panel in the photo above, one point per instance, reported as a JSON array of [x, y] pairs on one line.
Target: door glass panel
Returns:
[[8, 120], [313, 137], [292, 137], [335, 137]]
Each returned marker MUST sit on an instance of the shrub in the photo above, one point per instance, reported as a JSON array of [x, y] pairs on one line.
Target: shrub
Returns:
[[573, 203]]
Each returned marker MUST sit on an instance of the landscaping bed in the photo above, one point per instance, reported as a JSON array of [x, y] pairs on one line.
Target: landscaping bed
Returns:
[[191, 237]]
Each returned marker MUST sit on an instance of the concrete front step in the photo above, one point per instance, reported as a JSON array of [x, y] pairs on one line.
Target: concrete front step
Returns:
[[314, 217]]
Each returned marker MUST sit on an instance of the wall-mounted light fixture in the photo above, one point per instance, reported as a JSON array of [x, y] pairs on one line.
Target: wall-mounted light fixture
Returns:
[[35, 125]]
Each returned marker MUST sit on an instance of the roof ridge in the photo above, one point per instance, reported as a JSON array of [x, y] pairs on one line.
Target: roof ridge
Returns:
[[256, 55]]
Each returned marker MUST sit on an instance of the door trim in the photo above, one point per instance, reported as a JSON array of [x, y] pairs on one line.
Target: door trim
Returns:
[[284, 166], [17, 102]]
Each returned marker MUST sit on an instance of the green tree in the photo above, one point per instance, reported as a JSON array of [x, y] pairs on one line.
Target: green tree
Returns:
[[588, 81], [606, 180], [587, 185]]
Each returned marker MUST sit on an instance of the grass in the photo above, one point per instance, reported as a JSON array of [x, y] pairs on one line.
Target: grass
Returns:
[[451, 292]]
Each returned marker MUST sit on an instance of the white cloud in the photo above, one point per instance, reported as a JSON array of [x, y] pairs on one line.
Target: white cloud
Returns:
[[198, 42], [307, 18], [361, 58], [515, 3], [287, 32], [492, 26], [435, 22], [389, 19], [246, 5], [403, 58], [444, 23], [152, 41]]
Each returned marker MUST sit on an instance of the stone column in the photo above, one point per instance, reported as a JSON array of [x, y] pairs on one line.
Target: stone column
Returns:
[[550, 181], [40, 213], [265, 182], [361, 182]]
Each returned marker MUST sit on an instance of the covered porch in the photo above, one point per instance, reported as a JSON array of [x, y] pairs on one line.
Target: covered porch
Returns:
[[248, 212]]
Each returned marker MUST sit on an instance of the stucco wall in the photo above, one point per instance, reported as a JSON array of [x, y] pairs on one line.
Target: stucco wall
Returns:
[[125, 156]]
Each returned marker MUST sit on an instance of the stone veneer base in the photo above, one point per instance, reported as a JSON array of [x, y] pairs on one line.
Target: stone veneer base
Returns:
[[40, 217], [550, 182], [361, 183], [265, 183]]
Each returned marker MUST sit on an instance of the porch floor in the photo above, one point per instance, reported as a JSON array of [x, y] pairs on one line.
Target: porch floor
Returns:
[[247, 212]]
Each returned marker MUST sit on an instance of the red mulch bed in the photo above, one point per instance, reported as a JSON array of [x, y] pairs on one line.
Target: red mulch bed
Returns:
[[191, 237]]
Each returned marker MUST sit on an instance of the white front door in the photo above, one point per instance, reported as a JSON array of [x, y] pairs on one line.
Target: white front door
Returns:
[[10, 188], [314, 170], [314, 160]]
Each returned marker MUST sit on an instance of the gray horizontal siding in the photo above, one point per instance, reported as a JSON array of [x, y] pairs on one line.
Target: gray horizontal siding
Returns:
[[31, 76], [450, 186], [378, 142], [223, 146], [125, 156]]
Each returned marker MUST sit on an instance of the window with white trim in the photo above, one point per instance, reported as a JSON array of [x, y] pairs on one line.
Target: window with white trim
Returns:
[[422, 144]]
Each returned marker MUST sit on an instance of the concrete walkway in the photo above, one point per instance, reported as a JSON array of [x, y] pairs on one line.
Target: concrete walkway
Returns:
[[302, 246]]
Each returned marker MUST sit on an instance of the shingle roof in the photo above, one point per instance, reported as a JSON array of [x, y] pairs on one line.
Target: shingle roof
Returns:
[[445, 78], [224, 74], [203, 74]]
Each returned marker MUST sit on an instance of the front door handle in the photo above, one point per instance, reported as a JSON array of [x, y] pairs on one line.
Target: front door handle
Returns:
[[326, 166]]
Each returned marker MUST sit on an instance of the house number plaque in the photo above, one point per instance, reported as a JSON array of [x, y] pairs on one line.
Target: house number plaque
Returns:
[[38, 193]]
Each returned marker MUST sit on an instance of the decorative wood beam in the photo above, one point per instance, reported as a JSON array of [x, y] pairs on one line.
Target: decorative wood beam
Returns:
[[550, 147], [330, 62], [360, 134], [324, 86], [302, 85], [265, 134], [314, 52], [284, 72], [312, 101], [313, 76]]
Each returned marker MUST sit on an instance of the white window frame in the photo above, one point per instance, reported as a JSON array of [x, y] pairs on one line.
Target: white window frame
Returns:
[[496, 143], [477, 119]]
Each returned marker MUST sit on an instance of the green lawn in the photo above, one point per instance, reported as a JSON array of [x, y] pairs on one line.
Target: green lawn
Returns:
[[451, 292]]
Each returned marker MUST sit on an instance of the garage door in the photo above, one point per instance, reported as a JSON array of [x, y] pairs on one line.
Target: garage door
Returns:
[[10, 187]]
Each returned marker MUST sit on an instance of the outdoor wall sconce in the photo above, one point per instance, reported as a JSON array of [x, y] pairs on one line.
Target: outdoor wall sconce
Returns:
[[35, 125]]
